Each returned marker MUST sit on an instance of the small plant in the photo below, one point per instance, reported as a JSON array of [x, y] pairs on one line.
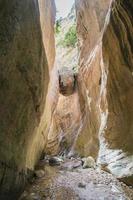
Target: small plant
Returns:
[[70, 39], [58, 27]]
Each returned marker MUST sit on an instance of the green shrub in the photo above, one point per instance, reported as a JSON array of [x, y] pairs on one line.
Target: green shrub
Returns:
[[70, 39], [57, 26]]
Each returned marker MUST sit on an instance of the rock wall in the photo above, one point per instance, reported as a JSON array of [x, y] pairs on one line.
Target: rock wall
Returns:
[[25, 56], [74, 116], [105, 84], [118, 63], [90, 22], [63, 108], [65, 116]]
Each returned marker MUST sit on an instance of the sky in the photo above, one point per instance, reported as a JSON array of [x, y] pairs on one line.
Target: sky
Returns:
[[63, 7]]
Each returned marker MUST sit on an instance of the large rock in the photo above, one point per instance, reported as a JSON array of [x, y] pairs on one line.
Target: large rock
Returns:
[[25, 57], [88, 162], [67, 81]]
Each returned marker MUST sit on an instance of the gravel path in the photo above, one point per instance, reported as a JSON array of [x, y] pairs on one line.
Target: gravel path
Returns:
[[67, 183]]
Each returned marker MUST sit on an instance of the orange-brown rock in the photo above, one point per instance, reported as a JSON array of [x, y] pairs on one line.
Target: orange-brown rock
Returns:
[[67, 82], [90, 114], [63, 110], [90, 22], [25, 56], [105, 84], [117, 135], [65, 123]]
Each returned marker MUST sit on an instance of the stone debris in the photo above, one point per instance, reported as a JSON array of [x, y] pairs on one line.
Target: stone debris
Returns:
[[82, 185], [89, 162], [72, 164], [55, 161], [39, 173], [61, 183]]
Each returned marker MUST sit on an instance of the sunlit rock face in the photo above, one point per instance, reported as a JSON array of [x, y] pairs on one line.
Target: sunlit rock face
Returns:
[[90, 23], [25, 57], [75, 115], [105, 84], [118, 62]]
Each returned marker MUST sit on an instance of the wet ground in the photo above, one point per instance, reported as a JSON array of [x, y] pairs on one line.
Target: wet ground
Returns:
[[70, 181]]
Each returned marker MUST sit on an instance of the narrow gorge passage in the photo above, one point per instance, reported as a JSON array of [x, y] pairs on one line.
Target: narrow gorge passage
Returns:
[[66, 109], [66, 172]]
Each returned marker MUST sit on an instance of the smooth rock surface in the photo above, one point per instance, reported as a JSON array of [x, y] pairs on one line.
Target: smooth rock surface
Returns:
[[24, 63], [105, 78]]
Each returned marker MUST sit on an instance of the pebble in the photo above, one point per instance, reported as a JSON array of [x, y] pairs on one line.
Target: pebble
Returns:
[[55, 161], [39, 173], [82, 185]]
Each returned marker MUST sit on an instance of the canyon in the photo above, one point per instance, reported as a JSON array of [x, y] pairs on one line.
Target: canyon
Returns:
[[49, 108]]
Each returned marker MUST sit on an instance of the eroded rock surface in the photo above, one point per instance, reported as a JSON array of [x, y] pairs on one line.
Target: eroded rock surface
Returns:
[[105, 80], [96, 120], [24, 60], [118, 65], [88, 115], [90, 23], [63, 99]]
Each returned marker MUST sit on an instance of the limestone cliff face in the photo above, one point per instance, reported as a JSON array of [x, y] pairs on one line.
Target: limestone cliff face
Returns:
[[25, 57], [118, 61], [47, 19], [118, 65], [105, 84], [90, 22]]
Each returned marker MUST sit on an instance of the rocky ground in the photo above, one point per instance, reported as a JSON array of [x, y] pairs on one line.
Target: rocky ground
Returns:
[[69, 181]]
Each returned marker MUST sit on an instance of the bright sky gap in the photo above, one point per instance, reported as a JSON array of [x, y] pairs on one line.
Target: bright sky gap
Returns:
[[63, 7]]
